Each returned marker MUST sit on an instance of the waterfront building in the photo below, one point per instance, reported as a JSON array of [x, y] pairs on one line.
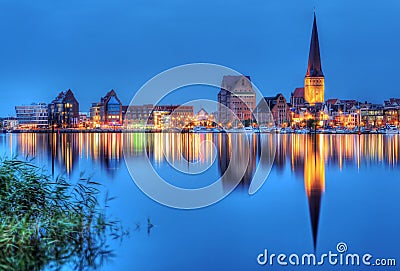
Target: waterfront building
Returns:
[[203, 118], [202, 115], [161, 119], [314, 81], [108, 112], [83, 120], [32, 116], [392, 102], [158, 116], [172, 116], [279, 108], [64, 110], [297, 99], [9, 123], [111, 109], [391, 115], [236, 99], [124, 110], [345, 120], [392, 111], [138, 116], [333, 105], [300, 116], [372, 115], [344, 113], [94, 115], [348, 105]]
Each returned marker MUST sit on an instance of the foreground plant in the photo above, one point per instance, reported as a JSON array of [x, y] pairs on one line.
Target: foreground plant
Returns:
[[46, 224]]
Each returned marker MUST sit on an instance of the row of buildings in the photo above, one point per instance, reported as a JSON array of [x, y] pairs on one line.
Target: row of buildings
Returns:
[[237, 98], [307, 104], [62, 112], [109, 112], [237, 106]]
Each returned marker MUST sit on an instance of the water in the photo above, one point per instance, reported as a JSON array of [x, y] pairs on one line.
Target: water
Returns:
[[322, 190]]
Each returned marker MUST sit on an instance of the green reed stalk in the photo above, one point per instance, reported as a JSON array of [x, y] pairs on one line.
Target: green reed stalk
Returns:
[[46, 223]]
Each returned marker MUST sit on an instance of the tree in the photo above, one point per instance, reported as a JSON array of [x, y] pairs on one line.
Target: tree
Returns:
[[311, 123]]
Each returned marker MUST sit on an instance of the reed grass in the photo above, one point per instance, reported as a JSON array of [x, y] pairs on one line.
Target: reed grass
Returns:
[[49, 223]]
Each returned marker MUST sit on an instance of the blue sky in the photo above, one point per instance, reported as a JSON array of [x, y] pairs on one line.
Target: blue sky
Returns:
[[92, 46]]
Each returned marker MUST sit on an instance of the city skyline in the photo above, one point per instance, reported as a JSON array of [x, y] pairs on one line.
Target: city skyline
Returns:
[[195, 131], [42, 54]]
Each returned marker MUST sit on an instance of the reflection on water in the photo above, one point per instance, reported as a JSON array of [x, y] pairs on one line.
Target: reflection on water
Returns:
[[243, 153], [65, 150], [236, 149], [314, 179], [170, 146], [306, 156]]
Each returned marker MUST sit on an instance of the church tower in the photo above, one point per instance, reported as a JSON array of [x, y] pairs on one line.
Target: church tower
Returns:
[[314, 84]]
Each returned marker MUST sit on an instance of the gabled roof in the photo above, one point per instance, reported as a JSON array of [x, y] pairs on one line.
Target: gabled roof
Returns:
[[332, 101], [232, 82], [348, 101], [63, 95], [395, 101], [271, 98], [271, 101], [109, 95], [202, 111], [298, 93]]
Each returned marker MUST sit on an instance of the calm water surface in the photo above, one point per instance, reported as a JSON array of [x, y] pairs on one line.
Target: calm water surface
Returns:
[[322, 190]]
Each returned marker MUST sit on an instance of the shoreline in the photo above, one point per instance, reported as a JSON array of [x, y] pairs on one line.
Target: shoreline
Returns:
[[77, 131]]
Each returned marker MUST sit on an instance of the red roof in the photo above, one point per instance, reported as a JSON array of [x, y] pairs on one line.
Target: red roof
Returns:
[[298, 93], [332, 101]]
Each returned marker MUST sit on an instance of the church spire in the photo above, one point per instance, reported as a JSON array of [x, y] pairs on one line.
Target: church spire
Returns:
[[314, 68]]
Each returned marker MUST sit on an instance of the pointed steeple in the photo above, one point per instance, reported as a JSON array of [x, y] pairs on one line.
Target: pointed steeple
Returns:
[[314, 205], [314, 68]]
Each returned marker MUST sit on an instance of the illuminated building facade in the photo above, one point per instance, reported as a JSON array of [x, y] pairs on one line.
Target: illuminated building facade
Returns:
[[392, 111], [297, 98], [108, 112], [33, 115], [158, 116], [64, 110], [111, 109], [279, 109], [202, 115], [236, 99], [373, 115], [83, 120], [314, 81], [171, 116], [138, 116], [9, 123], [94, 114]]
